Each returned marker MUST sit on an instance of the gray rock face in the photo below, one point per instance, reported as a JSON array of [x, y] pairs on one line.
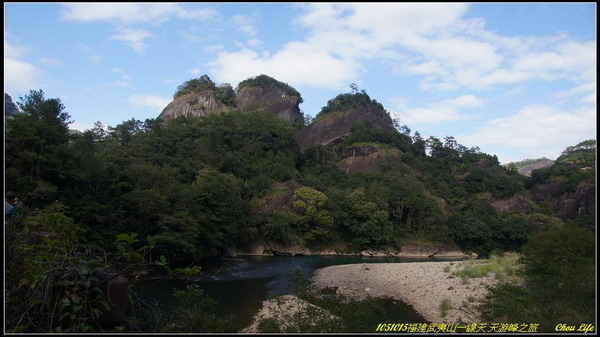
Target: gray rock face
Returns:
[[194, 105], [526, 171], [270, 100], [10, 108]]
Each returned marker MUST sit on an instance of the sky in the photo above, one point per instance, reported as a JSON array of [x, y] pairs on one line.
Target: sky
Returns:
[[516, 79]]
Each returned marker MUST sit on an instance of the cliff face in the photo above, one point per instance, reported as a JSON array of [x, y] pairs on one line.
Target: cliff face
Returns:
[[568, 206], [337, 125], [194, 105], [270, 100]]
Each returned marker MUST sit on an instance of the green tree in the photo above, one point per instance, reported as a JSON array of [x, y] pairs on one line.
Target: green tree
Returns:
[[559, 288], [36, 148], [315, 223], [370, 225]]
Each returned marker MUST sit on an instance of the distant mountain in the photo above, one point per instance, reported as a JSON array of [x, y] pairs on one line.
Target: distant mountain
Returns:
[[525, 167], [10, 108]]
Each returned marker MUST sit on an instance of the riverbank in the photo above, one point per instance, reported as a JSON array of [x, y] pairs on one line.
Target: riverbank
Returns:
[[423, 285], [411, 249]]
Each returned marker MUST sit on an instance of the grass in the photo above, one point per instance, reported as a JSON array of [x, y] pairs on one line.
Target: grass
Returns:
[[445, 306], [504, 266]]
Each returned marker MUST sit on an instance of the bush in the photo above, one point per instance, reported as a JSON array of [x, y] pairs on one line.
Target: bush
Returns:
[[445, 306], [195, 85], [348, 101]]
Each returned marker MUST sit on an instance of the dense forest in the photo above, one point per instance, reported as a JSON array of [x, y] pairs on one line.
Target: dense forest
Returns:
[[147, 194]]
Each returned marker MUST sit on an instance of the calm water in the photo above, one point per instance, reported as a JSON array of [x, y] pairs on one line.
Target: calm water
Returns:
[[240, 285]]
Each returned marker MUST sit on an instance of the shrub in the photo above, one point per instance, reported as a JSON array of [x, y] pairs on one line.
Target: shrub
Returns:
[[445, 306]]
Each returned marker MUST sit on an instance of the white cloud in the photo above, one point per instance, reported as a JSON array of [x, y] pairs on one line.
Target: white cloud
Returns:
[[484, 60], [340, 36], [444, 111], [19, 75], [435, 42], [132, 37], [80, 126], [245, 24], [124, 80], [125, 15], [585, 92], [52, 62], [195, 71], [152, 101], [132, 13], [96, 59], [536, 131], [294, 64]]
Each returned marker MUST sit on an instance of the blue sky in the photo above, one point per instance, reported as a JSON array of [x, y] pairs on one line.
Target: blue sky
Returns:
[[517, 80]]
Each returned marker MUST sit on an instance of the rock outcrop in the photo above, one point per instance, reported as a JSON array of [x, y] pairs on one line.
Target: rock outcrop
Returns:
[[270, 100], [367, 159], [195, 104], [10, 108], [568, 206], [516, 203], [262, 94], [336, 125], [577, 203]]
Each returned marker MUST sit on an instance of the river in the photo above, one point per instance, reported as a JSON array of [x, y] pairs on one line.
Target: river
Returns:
[[240, 285]]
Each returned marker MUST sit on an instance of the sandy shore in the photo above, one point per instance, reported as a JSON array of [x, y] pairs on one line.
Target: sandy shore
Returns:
[[424, 285]]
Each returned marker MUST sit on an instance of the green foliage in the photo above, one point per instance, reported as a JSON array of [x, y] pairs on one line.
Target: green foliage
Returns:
[[226, 94], [314, 223], [195, 313], [268, 325], [36, 144], [559, 284], [195, 85], [481, 231], [583, 154], [370, 225], [59, 290], [503, 266], [53, 219], [264, 80]]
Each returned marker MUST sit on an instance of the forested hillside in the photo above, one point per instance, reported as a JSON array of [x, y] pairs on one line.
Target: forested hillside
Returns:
[[200, 187]]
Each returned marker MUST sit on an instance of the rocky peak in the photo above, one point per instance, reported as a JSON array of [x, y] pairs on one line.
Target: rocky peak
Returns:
[[10, 108], [333, 126], [201, 97], [271, 100]]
